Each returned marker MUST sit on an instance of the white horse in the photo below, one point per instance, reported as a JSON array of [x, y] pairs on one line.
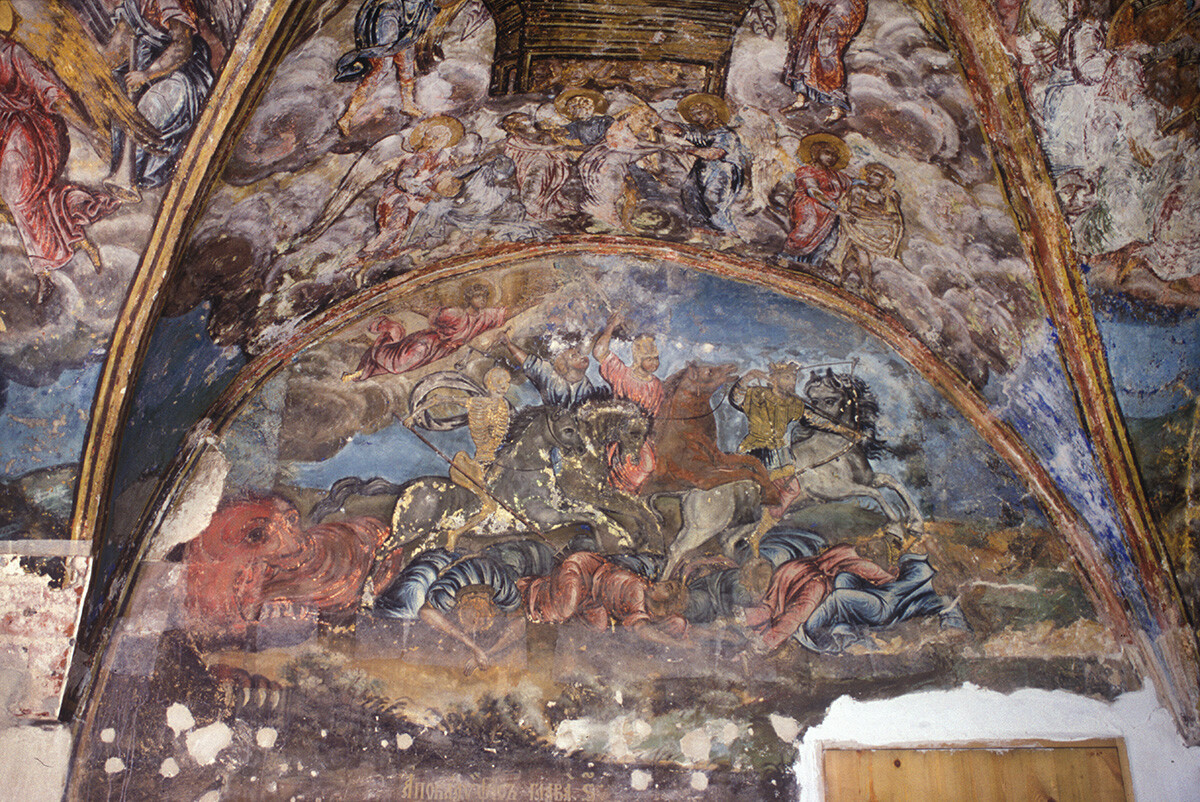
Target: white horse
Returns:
[[828, 467]]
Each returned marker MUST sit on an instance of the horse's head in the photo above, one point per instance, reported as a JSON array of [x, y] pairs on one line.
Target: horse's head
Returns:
[[705, 379], [831, 395], [614, 421], [565, 429], [843, 398]]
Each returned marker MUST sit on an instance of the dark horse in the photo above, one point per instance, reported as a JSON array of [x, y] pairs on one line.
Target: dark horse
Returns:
[[830, 467], [522, 479]]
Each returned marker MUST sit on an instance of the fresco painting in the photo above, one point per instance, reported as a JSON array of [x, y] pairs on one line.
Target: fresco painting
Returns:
[[614, 524], [571, 402], [90, 140], [1112, 89]]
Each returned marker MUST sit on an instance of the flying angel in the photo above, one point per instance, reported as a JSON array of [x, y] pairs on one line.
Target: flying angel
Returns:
[[52, 74]]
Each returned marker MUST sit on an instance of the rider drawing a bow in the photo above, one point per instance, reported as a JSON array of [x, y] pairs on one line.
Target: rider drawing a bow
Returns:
[[770, 410]]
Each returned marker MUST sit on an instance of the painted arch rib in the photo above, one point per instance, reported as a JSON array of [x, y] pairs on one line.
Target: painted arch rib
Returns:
[[994, 83], [267, 33]]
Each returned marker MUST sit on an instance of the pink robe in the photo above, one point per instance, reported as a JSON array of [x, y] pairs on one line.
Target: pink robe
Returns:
[[450, 328], [49, 212], [799, 585], [589, 587], [648, 394], [812, 221]]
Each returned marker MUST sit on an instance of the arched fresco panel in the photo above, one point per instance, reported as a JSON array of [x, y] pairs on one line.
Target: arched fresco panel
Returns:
[[846, 152], [441, 547]]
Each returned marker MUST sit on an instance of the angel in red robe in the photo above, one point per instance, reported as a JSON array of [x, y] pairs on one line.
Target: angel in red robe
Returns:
[[450, 328], [49, 212]]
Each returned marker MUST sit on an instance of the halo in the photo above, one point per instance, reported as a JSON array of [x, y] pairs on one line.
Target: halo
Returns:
[[475, 282], [598, 100], [9, 18], [687, 106], [806, 145], [418, 131]]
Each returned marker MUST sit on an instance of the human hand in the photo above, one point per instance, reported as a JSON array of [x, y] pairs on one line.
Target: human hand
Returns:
[[135, 80]]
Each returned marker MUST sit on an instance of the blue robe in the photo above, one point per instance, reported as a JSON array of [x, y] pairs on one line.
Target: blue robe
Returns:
[[172, 103], [383, 28], [713, 185], [855, 605]]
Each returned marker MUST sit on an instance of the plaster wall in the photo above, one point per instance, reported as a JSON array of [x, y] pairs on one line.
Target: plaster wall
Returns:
[[34, 759]]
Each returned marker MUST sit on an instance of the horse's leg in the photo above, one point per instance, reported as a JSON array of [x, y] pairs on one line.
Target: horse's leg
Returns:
[[914, 517], [838, 489], [705, 514]]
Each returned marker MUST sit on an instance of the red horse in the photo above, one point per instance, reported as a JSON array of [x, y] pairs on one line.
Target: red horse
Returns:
[[254, 555], [685, 438]]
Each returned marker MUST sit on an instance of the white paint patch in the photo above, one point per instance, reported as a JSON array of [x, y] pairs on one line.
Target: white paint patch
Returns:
[[169, 768], [696, 745], [1163, 767], [211, 796], [197, 503], [785, 727], [639, 780], [404, 741], [114, 765], [571, 733], [108, 735], [699, 780], [179, 718], [385, 743], [206, 743], [266, 737]]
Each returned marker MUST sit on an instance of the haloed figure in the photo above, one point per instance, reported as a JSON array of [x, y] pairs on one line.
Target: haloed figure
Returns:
[[820, 184], [719, 173]]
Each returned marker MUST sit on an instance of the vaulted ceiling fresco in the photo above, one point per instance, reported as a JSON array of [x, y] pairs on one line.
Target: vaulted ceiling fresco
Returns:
[[503, 395]]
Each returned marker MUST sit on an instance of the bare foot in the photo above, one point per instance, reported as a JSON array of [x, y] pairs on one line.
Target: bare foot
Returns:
[[352, 376], [87, 246], [835, 115], [44, 287], [801, 102]]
